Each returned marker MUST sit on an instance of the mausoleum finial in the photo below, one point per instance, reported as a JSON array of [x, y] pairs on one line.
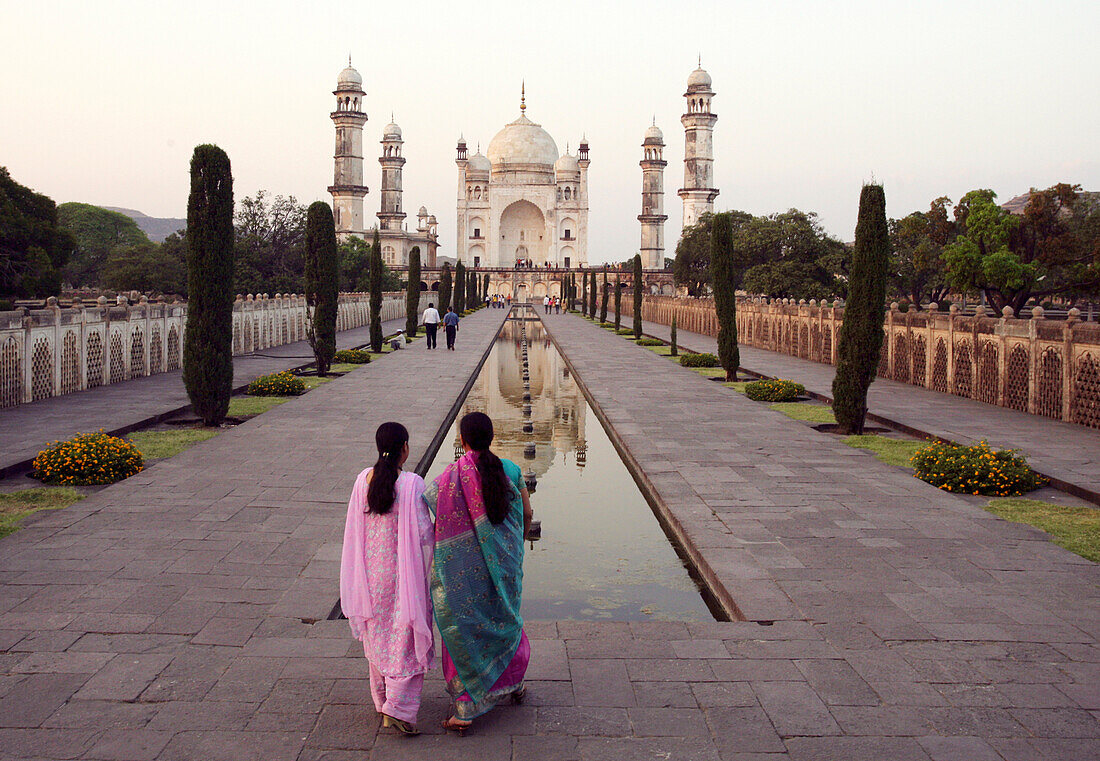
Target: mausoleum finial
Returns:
[[523, 97]]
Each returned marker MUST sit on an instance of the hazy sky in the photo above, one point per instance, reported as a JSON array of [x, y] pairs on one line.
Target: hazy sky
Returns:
[[103, 102]]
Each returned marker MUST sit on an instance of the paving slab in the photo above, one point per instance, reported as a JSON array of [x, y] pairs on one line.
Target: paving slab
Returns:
[[120, 407], [1068, 452]]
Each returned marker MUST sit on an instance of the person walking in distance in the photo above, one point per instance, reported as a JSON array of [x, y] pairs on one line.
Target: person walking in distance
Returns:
[[450, 324], [546, 304], [431, 324]]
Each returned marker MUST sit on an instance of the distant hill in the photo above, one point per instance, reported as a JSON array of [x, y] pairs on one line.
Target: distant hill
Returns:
[[1016, 205], [157, 228]]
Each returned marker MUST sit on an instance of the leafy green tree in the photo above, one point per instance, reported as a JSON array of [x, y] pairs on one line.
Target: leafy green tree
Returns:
[[445, 287], [322, 283], [271, 248], [354, 265], [412, 294], [33, 246], [376, 267], [638, 286], [860, 340], [1051, 249], [786, 255], [208, 340], [471, 289], [724, 276], [604, 295], [460, 288], [917, 240], [692, 265], [618, 302], [98, 233]]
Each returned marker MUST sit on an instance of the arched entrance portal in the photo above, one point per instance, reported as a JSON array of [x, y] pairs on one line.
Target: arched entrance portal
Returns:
[[521, 293], [523, 234]]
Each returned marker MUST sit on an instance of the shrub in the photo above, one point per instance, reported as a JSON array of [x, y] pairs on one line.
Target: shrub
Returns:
[[607, 325], [774, 390], [277, 384], [975, 469], [699, 360], [352, 357], [650, 341], [625, 332], [87, 459]]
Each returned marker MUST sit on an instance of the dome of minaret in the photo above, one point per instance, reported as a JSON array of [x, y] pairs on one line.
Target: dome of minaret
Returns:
[[423, 212], [566, 165], [349, 76], [478, 163], [654, 135], [699, 80], [391, 132]]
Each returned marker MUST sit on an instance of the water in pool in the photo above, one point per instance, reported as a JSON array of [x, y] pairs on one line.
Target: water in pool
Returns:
[[602, 554]]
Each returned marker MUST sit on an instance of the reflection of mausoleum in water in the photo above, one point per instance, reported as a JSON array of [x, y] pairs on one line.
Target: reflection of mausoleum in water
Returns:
[[557, 404]]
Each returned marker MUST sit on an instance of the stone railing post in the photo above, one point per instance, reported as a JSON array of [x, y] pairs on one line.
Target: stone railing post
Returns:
[[1001, 331], [889, 339], [952, 312], [1072, 317], [1033, 364]]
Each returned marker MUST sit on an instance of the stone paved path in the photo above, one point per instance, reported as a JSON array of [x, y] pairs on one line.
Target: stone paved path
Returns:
[[180, 614], [906, 623], [172, 616], [120, 407], [1065, 451]]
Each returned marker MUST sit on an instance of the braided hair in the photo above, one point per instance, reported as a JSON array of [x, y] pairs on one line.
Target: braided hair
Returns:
[[382, 492], [477, 431]]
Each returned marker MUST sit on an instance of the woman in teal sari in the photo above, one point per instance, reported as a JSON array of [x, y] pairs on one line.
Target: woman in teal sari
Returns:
[[482, 513]]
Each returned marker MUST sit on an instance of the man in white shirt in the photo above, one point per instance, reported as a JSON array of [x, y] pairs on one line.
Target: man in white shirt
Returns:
[[431, 324], [546, 304]]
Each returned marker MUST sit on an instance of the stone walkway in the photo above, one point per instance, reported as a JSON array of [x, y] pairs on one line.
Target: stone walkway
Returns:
[[120, 408], [180, 614], [900, 622], [1067, 452]]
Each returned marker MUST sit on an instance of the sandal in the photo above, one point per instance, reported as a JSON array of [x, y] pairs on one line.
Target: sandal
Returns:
[[451, 724], [400, 725], [519, 695]]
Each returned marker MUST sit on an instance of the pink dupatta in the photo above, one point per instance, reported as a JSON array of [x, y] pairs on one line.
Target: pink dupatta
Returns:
[[412, 581]]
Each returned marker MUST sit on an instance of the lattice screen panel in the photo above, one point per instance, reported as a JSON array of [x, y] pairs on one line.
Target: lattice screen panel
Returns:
[[11, 374], [137, 353], [1086, 403], [1016, 384], [95, 360], [42, 370], [939, 367], [1048, 400], [988, 359], [173, 349], [963, 369], [70, 363]]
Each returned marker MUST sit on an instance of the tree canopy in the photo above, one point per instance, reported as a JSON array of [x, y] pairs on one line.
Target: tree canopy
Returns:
[[98, 234], [270, 244], [33, 246], [691, 268]]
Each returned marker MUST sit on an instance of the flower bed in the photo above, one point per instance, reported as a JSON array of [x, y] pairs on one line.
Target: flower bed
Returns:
[[650, 342], [699, 360], [774, 390], [976, 469], [88, 459], [352, 357], [277, 384]]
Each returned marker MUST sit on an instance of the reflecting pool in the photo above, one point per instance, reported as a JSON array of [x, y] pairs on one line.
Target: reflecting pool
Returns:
[[602, 554]]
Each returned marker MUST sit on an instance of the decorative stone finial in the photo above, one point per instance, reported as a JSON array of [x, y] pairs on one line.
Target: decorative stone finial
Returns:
[[1037, 313], [1073, 315], [1007, 313], [523, 97], [953, 309], [894, 306]]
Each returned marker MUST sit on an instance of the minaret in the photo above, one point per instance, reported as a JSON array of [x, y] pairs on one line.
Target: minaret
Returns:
[[653, 199], [698, 193], [582, 212], [390, 215], [347, 186]]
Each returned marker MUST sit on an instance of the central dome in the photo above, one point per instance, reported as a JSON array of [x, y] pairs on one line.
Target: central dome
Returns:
[[523, 142]]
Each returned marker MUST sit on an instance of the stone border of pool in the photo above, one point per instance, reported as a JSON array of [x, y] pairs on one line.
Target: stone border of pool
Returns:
[[675, 531]]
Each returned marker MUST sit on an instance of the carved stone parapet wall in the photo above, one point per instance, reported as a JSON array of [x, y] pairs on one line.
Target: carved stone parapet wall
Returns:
[[1045, 367], [54, 351]]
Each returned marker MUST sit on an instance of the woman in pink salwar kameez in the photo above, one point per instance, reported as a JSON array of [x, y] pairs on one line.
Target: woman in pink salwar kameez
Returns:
[[388, 544]]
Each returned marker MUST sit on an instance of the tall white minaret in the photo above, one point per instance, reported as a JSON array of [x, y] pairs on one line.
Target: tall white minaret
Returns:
[[698, 193], [347, 186], [653, 198], [390, 214]]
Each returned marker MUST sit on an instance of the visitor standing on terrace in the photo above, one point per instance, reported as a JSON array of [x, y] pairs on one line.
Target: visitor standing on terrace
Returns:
[[450, 324], [388, 541], [431, 324]]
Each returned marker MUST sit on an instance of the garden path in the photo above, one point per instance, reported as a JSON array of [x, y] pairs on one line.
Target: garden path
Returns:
[[122, 407]]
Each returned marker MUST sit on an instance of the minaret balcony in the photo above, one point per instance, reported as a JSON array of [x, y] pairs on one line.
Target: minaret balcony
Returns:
[[349, 189]]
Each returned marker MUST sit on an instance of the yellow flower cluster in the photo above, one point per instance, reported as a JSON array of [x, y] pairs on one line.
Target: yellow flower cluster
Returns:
[[277, 384], [976, 469], [774, 390], [87, 459]]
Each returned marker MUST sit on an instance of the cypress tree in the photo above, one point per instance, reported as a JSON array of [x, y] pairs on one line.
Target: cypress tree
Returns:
[[618, 302], [584, 293], [375, 281], [723, 279], [471, 290], [445, 288], [860, 340], [485, 286], [322, 283], [412, 294], [208, 340], [672, 338], [460, 288], [603, 301], [592, 296], [637, 296]]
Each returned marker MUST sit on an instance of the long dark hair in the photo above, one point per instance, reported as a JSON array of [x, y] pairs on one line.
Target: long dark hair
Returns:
[[390, 438], [477, 431]]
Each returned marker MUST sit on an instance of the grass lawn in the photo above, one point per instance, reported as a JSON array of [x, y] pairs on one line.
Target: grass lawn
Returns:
[[17, 505], [312, 381], [156, 445], [890, 451], [1075, 528], [811, 413], [250, 406], [664, 351], [709, 372], [738, 386], [345, 367]]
